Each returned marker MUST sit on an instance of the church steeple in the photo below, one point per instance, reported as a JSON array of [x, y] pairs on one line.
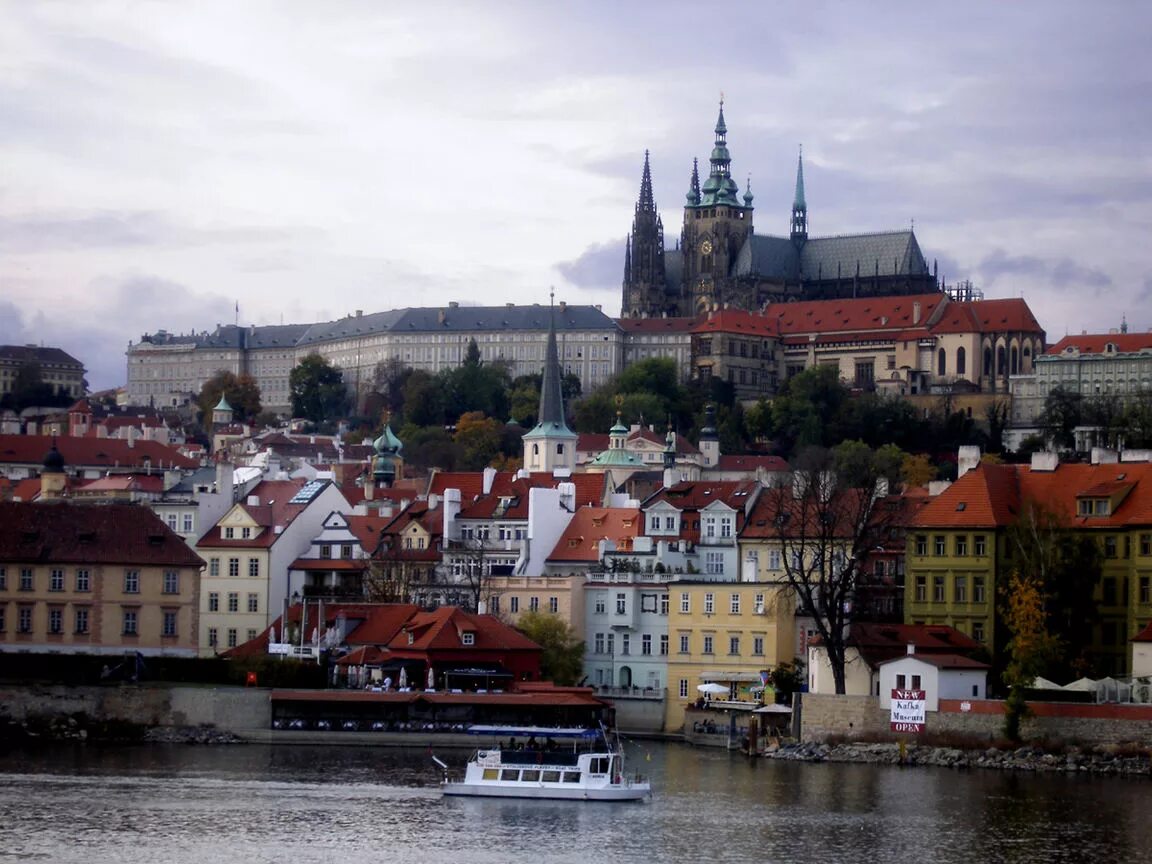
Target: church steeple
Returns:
[[551, 444], [644, 292], [799, 205], [720, 188]]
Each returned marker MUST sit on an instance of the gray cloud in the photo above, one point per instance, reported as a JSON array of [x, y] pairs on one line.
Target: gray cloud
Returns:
[[600, 266], [103, 229], [1059, 273]]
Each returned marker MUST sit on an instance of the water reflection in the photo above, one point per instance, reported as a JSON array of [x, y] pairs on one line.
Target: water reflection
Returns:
[[256, 804]]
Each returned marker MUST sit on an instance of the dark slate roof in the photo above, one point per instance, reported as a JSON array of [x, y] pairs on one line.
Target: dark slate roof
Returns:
[[772, 257], [376, 322], [464, 319], [276, 335], [896, 252], [44, 356]]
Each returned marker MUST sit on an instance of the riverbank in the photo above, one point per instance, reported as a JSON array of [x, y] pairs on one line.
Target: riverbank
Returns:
[[1117, 761]]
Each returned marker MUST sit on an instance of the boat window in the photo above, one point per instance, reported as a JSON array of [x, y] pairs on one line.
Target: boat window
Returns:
[[599, 765], [491, 774], [530, 777], [571, 777], [510, 774], [551, 777]]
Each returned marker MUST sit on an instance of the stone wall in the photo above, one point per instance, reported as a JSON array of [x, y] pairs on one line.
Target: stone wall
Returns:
[[639, 714], [825, 715], [236, 709]]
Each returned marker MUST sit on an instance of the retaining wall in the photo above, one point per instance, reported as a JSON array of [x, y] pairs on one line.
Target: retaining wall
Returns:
[[826, 715], [235, 709]]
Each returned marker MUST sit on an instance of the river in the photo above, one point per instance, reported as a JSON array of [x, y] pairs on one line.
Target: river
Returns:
[[256, 804]]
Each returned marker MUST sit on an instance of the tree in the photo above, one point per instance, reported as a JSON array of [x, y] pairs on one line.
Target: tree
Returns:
[[29, 388], [1030, 646], [825, 527], [1061, 414], [317, 390], [478, 438], [562, 660], [241, 391], [1066, 567], [918, 470], [806, 412], [475, 386]]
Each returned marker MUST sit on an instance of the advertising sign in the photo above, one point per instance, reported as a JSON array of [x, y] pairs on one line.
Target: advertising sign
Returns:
[[908, 708]]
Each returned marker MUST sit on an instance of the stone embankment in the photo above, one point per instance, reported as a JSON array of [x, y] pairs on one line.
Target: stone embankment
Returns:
[[1103, 761], [82, 728]]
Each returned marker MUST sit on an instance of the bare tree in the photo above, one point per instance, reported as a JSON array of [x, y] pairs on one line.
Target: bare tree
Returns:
[[826, 523]]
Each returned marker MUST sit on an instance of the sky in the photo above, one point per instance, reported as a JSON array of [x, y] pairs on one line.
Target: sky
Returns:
[[163, 163]]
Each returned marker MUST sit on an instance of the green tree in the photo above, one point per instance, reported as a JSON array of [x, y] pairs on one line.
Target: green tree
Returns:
[[241, 391], [423, 400], [478, 438], [807, 411], [562, 659], [1061, 414], [30, 389], [475, 386], [1030, 645], [317, 390], [427, 447]]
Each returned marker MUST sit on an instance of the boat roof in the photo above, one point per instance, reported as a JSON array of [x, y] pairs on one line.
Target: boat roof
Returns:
[[535, 731]]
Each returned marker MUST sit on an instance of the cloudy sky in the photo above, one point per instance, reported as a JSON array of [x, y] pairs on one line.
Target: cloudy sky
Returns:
[[162, 162]]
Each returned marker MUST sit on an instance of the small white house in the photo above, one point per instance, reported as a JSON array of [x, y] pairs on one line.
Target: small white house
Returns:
[[940, 676], [1142, 653]]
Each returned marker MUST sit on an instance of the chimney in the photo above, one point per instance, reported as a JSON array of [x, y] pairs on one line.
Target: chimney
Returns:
[[1045, 460], [489, 477], [433, 501], [916, 312], [911, 647], [967, 458]]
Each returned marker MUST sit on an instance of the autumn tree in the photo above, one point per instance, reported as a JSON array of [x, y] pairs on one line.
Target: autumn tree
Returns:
[[1030, 647], [562, 658], [825, 524], [478, 440], [241, 391], [317, 390]]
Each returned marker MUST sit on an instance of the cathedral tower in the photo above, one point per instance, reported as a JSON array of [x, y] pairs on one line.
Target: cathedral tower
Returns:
[[799, 207], [716, 224], [645, 284]]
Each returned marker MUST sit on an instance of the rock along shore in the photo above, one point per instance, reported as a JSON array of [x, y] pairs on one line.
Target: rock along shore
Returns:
[[1025, 758]]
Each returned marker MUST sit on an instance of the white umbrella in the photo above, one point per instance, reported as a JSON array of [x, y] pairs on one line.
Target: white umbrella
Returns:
[[431, 678], [403, 677], [712, 687], [772, 709]]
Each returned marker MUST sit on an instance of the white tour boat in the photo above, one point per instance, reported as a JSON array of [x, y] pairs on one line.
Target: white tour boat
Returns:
[[539, 762]]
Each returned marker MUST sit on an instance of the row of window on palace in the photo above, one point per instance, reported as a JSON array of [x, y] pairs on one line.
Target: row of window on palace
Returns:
[[660, 603], [605, 643], [232, 601], [234, 567], [81, 580], [979, 548], [231, 636], [533, 605], [82, 618], [1110, 595]]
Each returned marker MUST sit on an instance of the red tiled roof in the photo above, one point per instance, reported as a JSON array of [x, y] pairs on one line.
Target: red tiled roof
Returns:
[[92, 452], [878, 643], [441, 629], [64, 532], [861, 314], [802, 517], [123, 483], [1095, 343], [986, 497], [1144, 635], [738, 321], [580, 541], [943, 661], [696, 494], [274, 509]]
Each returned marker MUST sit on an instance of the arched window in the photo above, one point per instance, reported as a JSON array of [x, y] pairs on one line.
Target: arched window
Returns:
[[1026, 363], [961, 362], [987, 362], [942, 363], [1015, 367], [535, 449], [1001, 361], [559, 449]]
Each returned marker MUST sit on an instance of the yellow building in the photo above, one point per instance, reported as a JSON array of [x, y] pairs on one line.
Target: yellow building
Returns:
[[725, 633], [95, 578]]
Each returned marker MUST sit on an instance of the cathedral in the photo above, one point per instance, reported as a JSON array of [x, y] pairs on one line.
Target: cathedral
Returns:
[[720, 261]]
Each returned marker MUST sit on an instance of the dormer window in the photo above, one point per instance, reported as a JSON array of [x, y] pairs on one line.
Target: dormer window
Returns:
[[468, 638], [1094, 507], [411, 637], [229, 533]]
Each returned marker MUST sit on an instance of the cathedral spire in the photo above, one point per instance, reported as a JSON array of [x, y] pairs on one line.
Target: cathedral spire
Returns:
[[627, 260], [694, 185], [551, 395], [799, 205], [646, 203]]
